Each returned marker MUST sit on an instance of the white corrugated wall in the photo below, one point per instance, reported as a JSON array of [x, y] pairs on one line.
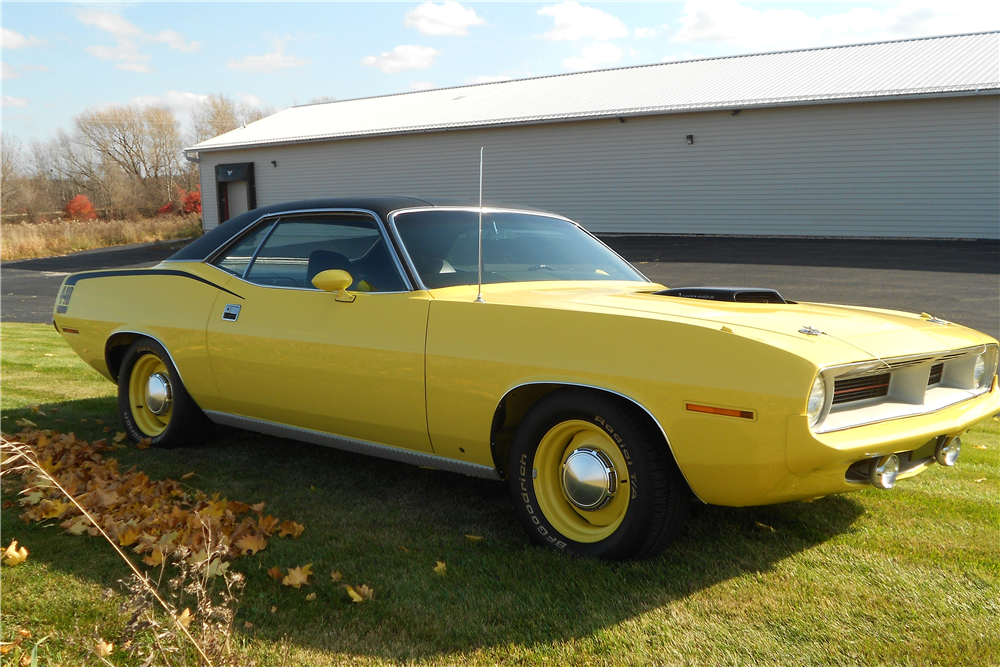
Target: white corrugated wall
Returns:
[[901, 168]]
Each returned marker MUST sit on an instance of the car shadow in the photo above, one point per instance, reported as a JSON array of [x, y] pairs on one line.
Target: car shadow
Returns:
[[387, 525]]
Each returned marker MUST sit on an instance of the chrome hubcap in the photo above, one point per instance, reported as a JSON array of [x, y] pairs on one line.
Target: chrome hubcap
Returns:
[[158, 394], [589, 479]]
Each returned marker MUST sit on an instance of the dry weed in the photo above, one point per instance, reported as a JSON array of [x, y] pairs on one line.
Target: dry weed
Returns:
[[22, 240]]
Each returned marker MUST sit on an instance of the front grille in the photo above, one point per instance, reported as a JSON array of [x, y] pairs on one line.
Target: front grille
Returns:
[[937, 370], [859, 389]]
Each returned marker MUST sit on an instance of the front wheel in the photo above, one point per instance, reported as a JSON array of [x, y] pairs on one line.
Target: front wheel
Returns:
[[591, 475], [152, 400]]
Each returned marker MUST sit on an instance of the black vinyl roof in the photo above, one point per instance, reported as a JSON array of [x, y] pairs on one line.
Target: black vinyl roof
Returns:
[[204, 246]]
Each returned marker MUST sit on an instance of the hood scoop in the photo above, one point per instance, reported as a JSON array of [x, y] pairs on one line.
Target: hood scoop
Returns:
[[731, 294]]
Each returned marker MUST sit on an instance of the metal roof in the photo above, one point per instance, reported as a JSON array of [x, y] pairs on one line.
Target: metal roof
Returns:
[[926, 66]]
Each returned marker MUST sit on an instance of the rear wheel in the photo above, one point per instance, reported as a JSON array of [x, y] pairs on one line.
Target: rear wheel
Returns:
[[591, 475], [152, 400]]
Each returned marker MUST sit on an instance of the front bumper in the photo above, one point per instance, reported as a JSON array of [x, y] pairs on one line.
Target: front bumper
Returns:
[[818, 463]]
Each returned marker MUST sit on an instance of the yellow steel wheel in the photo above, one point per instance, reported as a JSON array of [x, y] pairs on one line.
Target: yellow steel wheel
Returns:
[[146, 367], [556, 500]]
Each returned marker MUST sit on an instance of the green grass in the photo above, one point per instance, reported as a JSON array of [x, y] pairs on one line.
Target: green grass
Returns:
[[909, 577]]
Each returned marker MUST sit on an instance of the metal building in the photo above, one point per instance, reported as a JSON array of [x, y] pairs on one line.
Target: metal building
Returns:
[[892, 139]]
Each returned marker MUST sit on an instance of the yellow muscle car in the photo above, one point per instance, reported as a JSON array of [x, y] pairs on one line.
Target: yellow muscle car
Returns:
[[607, 401]]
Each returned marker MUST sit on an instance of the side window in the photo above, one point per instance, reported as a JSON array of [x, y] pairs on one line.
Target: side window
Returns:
[[300, 248], [238, 258]]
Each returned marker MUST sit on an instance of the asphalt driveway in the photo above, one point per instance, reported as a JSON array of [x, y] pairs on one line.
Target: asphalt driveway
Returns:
[[955, 280]]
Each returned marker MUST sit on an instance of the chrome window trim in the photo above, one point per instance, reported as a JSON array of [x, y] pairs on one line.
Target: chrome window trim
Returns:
[[831, 374], [492, 209], [210, 260], [631, 400], [354, 445]]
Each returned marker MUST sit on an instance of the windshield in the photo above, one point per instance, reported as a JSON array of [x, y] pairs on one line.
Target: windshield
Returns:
[[517, 247]]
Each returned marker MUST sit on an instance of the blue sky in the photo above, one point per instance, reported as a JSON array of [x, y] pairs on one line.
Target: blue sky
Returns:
[[61, 58]]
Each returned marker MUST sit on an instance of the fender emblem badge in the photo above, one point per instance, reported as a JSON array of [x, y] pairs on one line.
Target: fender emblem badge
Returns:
[[231, 312]]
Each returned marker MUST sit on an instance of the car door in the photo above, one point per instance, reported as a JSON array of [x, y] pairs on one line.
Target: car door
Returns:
[[291, 354]]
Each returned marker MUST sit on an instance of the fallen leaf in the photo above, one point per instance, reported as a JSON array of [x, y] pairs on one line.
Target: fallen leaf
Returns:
[[7, 647], [275, 573], [154, 558], [57, 421], [119, 437], [51, 509], [267, 524], [77, 526], [404, 550], [24, 632], [35, 408], [13, 555], [26, 423], [336, 576], [184, 618], [144, 443], [297, 576], [980, 447], [217, 567], [258, 508], [104, 649], [474, 538], [441, 568], [310, 597], [289, 527], [247, 625], [98, 421], [765, 526], [361, 593], [274, 609], [83, 420], [188, 476], [107, 429], [980, 480], [129, 536], [252, 543]]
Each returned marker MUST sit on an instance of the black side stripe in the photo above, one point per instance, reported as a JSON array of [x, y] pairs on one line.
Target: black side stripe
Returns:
[[74, 279]]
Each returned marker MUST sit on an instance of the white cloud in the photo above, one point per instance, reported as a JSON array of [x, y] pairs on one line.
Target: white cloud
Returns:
[[594, 57], [403, 58], [35, 68], [180, 101], [252, 100], [128, 36], [8, 71], [643, 33], [13, 40], [269, 62], [736, 24], [422, 85], [448, 18], [574, 22], [487, 79], [9, 101]]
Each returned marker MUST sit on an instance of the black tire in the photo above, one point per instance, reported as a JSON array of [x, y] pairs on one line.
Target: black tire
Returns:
[[659, 498], [186, 423]]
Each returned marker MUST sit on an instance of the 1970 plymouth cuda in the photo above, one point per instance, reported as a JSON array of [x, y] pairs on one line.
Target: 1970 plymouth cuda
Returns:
[[607, 401]]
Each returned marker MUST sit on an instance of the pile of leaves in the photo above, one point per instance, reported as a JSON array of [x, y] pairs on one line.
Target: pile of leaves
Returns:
[[153, 518]]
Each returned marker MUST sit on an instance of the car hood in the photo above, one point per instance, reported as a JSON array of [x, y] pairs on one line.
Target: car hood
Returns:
[[840, 334]]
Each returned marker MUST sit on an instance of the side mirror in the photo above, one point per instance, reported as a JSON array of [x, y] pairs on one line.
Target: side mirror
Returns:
[[334, 280]]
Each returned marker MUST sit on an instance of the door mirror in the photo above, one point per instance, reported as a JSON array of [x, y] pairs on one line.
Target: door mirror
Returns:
[[334, 280]]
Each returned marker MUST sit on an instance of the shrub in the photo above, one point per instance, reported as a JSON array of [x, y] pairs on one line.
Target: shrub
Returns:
[[80, 208], [191, 201], [166, 209]]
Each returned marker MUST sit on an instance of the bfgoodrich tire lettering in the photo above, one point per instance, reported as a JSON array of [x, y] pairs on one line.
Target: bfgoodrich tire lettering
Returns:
[[650, 504], [182, 424]]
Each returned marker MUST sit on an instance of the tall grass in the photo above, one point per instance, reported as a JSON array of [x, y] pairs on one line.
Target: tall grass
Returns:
[[22, 240]]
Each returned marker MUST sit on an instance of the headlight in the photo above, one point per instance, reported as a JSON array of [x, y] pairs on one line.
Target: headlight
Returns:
[[979, 372], [817, 399]]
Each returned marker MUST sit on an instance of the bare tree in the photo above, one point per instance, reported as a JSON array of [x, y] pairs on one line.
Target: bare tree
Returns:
[[219, 114], [10, 164]]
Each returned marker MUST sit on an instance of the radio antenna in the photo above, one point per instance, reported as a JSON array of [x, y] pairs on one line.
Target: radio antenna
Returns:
[[479, 298]]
